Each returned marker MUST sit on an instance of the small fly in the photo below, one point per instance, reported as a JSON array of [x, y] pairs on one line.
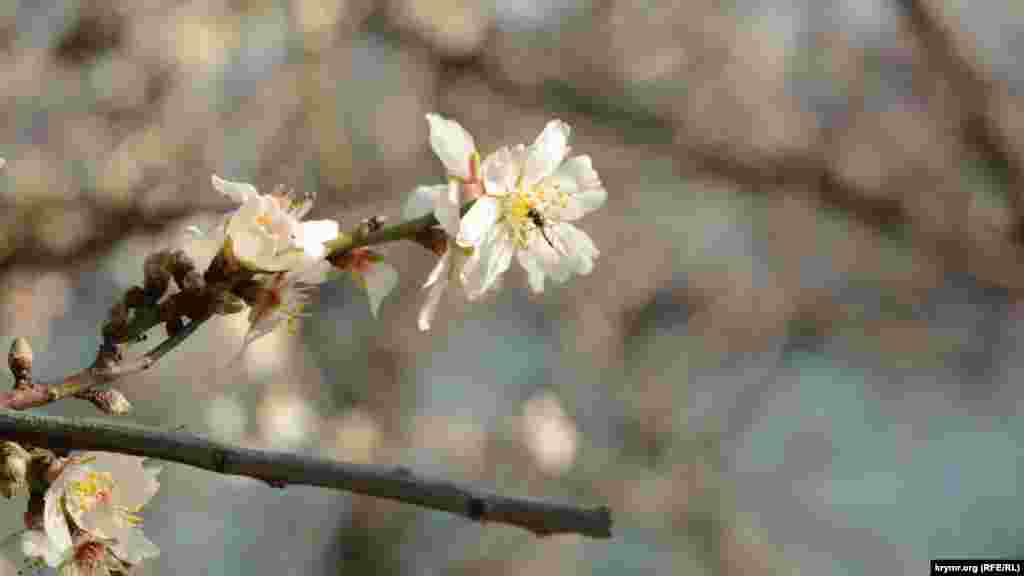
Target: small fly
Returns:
[[538, 220]]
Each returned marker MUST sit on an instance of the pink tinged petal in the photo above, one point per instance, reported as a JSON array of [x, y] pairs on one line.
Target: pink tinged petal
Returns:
[[422, 201], [478, 222], [446, 209], [379, 281], [452, 144], [547, 152], [500, 171], [136, 484], [239, 192], [585, 193]]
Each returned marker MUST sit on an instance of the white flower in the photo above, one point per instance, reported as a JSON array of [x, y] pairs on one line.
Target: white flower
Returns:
[[454, 147], [103, 493], [282, 297], [531, 194], [266, 233], [448, 268]]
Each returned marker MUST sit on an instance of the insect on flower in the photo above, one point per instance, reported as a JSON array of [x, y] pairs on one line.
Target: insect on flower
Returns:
[[538, 220]]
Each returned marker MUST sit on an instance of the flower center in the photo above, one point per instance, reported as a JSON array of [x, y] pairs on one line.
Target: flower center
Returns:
[[95, 489], [527, 210]]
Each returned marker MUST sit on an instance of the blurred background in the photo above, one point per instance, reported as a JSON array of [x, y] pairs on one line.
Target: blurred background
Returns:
[[797, 353]]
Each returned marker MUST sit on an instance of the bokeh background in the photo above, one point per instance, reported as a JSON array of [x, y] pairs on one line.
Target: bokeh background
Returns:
[[798, 351]]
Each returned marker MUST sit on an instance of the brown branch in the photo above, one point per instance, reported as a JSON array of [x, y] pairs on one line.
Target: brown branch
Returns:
[[106, 369], [977, 96], [280, 469]]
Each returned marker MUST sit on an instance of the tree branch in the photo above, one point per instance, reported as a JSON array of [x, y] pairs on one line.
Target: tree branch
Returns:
[[978, 95], [280, 469], [104, 370]]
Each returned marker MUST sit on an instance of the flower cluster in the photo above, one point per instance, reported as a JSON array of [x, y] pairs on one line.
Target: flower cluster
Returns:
[[519, 201], [525, 199], [267, 236], [90, 522]]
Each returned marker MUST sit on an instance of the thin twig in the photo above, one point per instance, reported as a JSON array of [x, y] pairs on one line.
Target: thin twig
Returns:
[[103, 371], [280, 469], [407, 230]]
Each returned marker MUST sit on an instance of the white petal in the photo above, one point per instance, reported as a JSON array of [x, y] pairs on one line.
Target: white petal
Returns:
[[490, 260], [585, 193], [478, 222], [447, 207], [239, 192], [429, 309], [422, 201], [547, 152], [315, 272], [133, 547], [534, 272], [320, 231], [37, 544], [3, 162], [379, 280], [441, 268], [452, 144], [314, 234], [135, 483], [579, 247], [500, 171], [55, 525]]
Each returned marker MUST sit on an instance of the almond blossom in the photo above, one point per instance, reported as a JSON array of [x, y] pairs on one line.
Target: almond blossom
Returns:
[[449, 266], [531, 196], [455, 147], [266, 234], [101, 494]]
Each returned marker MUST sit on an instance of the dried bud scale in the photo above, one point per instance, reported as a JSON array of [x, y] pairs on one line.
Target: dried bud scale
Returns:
[[109, 401], [156, 274]]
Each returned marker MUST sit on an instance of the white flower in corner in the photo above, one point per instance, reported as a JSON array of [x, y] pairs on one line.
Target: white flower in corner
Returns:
[[266, 232], [102, 494], [531, 196]]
